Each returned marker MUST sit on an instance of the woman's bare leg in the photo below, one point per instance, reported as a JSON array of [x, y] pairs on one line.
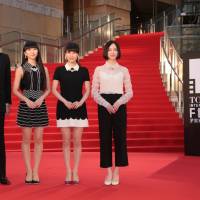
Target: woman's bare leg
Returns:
[[66, 134], [77, 135], [38, 149], [26, 140]]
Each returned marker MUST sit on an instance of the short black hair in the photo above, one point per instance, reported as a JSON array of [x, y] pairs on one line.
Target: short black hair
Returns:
[[71, 46], [106, 48]]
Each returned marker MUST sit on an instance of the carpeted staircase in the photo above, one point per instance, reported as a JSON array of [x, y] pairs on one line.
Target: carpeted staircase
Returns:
[[153, 124]]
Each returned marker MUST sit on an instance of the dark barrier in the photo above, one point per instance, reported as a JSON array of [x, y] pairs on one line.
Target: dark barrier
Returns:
[[191, 77]]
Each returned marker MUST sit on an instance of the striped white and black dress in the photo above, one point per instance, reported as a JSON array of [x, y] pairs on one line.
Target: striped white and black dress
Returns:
[[31, 85]]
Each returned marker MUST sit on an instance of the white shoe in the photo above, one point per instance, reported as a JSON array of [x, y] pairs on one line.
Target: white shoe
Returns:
[[108, 181], [115, 181]]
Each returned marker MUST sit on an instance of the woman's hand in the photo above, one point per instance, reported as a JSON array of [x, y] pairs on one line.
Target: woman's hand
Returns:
[[77, 104], [110, 109], [116, 106], [39, 102], [30, 104], [68, 104]]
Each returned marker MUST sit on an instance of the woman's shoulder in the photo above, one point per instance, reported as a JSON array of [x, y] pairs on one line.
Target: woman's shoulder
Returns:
[[60, 68], [123, 68], [19, 67], [99, 67], [45, 67]]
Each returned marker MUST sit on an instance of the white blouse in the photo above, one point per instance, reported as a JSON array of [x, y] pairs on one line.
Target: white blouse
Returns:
[[111, 79]]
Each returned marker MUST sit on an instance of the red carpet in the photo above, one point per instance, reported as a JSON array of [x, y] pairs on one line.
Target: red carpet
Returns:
[[150, 176], [153, 124]]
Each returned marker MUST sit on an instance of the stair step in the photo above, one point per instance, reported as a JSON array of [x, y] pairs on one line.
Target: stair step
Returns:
[[11, 122], [153, 125], [95, 135], [138, 127], [95, 143], [129, 113]]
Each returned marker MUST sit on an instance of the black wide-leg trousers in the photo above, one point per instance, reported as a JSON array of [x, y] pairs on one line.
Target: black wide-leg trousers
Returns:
[[112, 125], [2, 147]]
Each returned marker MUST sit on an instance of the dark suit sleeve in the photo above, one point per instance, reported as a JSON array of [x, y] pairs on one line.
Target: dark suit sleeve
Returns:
[[7, 80]]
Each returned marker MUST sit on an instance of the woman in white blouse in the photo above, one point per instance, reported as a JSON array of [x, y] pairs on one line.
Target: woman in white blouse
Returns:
[[112, 89]]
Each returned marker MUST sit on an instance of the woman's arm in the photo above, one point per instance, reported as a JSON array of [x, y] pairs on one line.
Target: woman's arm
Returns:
[[77, 104], [55, 92], [39, 101], [95, 90], [128, 94], [16, 87], [96, 95], [47, 91]]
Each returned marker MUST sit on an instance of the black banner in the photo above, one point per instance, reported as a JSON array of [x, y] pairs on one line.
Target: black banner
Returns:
[[191, 85]]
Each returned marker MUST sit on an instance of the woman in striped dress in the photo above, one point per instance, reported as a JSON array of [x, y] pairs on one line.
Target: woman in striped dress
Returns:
[[31, 86]]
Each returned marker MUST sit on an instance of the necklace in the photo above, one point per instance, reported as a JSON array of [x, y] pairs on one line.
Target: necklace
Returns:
[[34, 68], [111, 66]]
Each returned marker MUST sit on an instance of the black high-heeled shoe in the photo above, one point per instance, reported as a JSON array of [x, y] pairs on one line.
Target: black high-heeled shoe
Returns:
[[75, 180], [36, 182], [67, 182], [28, 181]]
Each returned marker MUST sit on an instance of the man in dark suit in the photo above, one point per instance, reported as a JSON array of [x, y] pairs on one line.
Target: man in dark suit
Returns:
[[5, 101]]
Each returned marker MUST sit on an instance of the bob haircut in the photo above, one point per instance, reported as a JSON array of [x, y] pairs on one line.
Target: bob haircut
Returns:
[[71, 46], [106, 48]]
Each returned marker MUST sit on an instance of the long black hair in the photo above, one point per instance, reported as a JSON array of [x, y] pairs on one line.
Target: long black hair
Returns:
[[32, 44]]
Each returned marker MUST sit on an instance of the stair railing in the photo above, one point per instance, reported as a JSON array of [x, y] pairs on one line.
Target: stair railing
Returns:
[[50, 52], [91, 37], [52, 49], [171, 69]]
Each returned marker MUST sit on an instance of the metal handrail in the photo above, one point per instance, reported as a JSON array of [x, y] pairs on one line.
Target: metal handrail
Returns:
[[23, 40], [60, 46], [171, 69], [171, 63], [87, 41], [92, 38], [97, 27]]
